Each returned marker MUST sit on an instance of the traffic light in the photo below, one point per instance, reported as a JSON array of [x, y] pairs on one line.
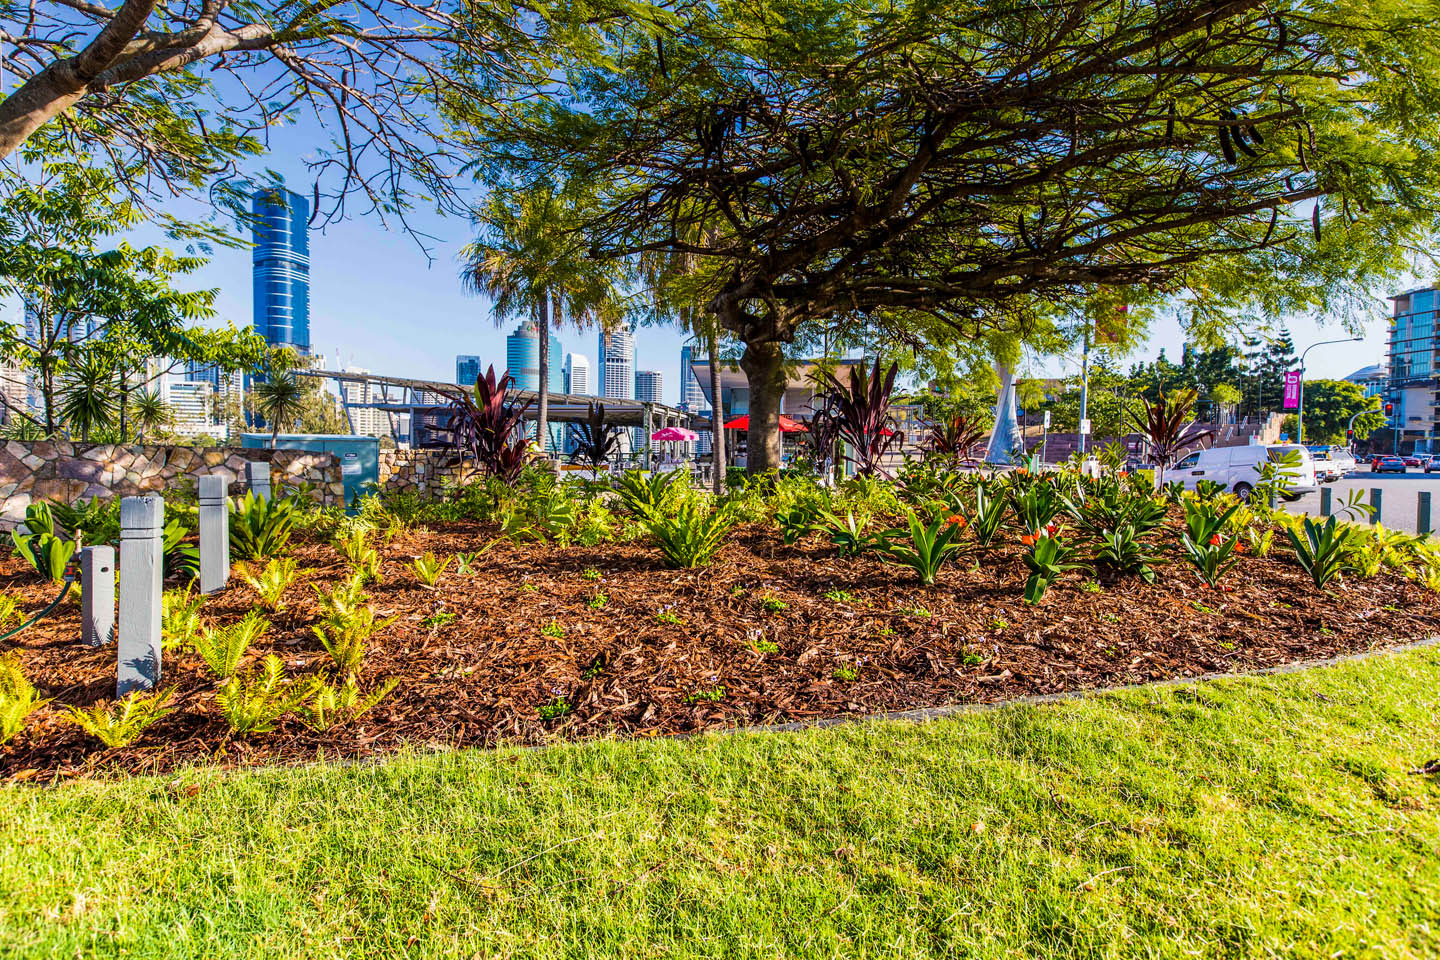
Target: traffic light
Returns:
[[1389, 409], [1349, 437]]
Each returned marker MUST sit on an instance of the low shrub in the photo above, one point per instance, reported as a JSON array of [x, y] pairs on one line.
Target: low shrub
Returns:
[[647, 497], [1322, 550], [325, 706], [223, 648], [429, 568], [180, 620], [1207, 544], [847, 534], [1047, 558]]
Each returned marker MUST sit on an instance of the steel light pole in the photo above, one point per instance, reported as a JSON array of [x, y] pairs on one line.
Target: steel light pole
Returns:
[[1300, 408]]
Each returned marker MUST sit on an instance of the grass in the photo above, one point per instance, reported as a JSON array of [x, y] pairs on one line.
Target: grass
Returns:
[[1263, 817]]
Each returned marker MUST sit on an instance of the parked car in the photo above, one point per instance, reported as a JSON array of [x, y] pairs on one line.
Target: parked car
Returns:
[[1238, 468], [1326, 469], [1412, 461], [1344, 459], [1387, 464]]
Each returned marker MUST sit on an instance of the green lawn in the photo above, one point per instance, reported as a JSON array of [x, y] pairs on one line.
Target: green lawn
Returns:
[[1267, 817]]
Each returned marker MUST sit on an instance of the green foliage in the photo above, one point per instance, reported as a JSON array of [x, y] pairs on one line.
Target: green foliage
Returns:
[[647, 497], [18, 698], [465, 564], [326, 706], [223, 648], [923, 548], [120, 723], [1122, 551], [1207, 545], [260, 527], [848, 534], [1037, 506], [10, 611], [796, 522], [180, 621], [256, 702], [363, 558], [691, 534], [41, 545], [1322, 550], [97, 520], [986, 512], [1047, 559], [555, 709], [347, 623], [1329, 405], [1110, 506], [270, 583], [429, 568]]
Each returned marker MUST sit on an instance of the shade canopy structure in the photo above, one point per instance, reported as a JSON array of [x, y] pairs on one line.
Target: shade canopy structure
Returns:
[[675, 434], [787, 425]]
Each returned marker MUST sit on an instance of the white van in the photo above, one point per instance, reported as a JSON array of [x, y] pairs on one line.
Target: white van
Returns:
[[1238, 468]]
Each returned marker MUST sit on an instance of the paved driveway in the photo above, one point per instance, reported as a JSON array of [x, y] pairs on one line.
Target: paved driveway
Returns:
[[1397, 495]]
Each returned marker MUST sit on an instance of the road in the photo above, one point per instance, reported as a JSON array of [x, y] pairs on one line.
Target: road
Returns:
[[1397, 495]]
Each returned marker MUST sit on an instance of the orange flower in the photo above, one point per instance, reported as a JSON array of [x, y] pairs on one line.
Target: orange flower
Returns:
[[1028, 539], [1215, 540], [1050, 529], [1239, 547], [1124, 474]]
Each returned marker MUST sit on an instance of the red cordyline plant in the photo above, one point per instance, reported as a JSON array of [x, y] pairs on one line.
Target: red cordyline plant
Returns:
[[861, 410], [955, 437], [1168, 425], [488, 429]]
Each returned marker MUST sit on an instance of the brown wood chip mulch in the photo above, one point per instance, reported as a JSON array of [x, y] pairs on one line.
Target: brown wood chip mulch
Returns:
[[758, 642]]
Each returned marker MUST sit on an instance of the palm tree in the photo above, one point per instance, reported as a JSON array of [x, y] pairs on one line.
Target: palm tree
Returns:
[[279, 398], [528, 262], [89, 400], [149, 412]]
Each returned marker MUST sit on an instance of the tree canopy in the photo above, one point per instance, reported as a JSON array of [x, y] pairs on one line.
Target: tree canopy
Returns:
[[929, 164]]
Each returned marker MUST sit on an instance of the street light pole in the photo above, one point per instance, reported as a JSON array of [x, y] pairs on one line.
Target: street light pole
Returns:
[[1300, 404]]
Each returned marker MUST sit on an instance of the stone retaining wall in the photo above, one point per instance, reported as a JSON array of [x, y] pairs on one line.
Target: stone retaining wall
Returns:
[[424, 472], [70, 471]]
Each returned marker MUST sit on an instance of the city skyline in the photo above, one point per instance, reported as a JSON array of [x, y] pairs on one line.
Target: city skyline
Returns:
[[281, 268]]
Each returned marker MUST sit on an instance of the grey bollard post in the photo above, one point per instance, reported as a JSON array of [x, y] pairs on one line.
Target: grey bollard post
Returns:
[[1422, 514], [257, 474], [97, 596], [1326, 506], [142, 552], [1375, 494], [214, 534]]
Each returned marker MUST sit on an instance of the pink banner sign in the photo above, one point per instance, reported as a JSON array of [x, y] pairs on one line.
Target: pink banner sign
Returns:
[[1292, 390]]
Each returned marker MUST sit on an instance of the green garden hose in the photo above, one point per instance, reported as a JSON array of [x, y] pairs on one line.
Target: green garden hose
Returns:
[[64, 590]]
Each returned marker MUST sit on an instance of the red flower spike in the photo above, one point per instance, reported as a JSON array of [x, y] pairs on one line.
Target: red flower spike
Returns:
[[1215, 540]]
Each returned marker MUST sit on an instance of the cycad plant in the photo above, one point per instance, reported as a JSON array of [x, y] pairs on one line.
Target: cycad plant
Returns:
[[429, 568], [325, 705], [270, 583], [180, 621], [18, 698], [223, 648], [347, 624], [256, 702], [120, 723]]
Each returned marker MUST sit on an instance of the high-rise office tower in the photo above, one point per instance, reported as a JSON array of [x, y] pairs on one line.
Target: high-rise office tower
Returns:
[[616, 364], [522, 358], [1414, 342], [467, 370], [577, 374], [648, 385], [692, 398], [281, 264]]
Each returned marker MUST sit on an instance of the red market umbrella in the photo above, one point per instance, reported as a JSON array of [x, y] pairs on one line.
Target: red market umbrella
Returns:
[[787, 425]]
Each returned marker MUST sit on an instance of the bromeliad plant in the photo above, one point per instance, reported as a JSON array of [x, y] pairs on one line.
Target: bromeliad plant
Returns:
[[260, 527], [1209, 545], [929, 547], [1323, 550], [1048, 558]]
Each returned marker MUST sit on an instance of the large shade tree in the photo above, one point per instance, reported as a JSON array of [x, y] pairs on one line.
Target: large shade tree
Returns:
[[922, 163]]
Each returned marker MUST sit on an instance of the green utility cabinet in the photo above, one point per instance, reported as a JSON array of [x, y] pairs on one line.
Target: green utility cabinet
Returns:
[[359, 456]]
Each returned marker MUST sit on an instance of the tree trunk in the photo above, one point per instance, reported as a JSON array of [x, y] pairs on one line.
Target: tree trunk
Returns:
[[764, 366], [717, 417], [542, 417]]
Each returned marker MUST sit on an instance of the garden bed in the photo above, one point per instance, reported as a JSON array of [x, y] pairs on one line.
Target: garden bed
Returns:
[[768, 633]]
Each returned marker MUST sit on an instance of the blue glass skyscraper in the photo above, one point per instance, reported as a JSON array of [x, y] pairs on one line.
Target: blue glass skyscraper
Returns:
[[281, 264], [522, 358]]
